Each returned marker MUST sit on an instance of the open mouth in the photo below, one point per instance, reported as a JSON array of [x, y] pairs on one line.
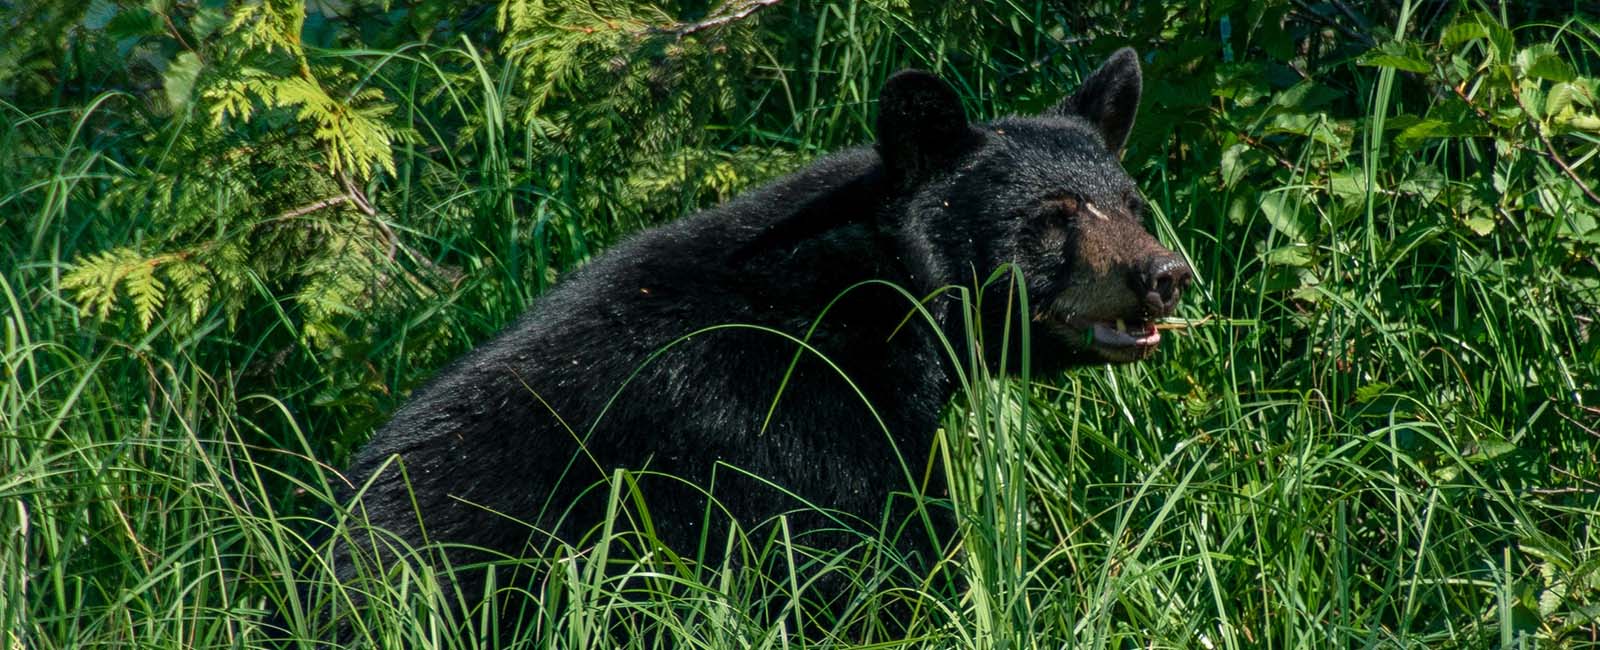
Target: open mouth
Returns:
[[1119, 340]]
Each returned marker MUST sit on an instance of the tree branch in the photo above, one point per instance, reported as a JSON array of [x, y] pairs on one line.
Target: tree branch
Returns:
[[1549, 150], [359, 198], [1306, 8], [733, 12], [311, 207]]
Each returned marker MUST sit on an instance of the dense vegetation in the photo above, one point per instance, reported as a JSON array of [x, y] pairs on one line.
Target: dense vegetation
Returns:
[[234, 235]]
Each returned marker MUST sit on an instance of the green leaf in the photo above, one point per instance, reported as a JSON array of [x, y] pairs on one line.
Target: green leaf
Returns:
[[1317, 126], [1501, 40], [99, 14], [1425, 181], [1583, 122], [1401, 55], [1306, 95], [1293, 255], [1554, 593], [1422, 130], [147, 293], [1541, 62], [1490, 449], [1559, 99], [207, 20], [1372, 391], [1463, 31], [1585, 89], [1532, 97], [180, 77], [1481, 225], [194, 286], [1235, 164], [1461, 125], [1287, 217], [135, 23], [1348, 184]]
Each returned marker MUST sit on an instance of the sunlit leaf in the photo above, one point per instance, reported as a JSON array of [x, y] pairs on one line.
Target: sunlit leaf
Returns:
[[1401, 55]]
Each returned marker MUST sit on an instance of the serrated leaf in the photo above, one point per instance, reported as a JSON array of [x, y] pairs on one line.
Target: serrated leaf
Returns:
[[1550, 601], [1372, 391], [1552, 68], [180, 77], [99, 14], [1233, 168], [1306, 95], [194, 286], [1542, 62], [1422, 130], [1583, 122], [1585, 89], [1293, 256], [1287, 216], [1501, 41], [134, 22], [1461, 32], [1533, 98], [1401, 55], [1490, 449], [1425, 181], [1348, 184], [147, 292], [207, 20], [1559, 99]]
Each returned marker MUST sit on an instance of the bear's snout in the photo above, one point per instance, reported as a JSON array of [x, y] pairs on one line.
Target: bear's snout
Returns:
[[1161, 282]]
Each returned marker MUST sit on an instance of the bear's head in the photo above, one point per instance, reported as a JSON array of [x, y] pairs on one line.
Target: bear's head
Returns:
[[1045, 194]]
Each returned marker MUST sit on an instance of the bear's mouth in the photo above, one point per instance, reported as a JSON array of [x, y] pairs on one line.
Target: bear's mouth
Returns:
[[1119, 340], [1124, 340]]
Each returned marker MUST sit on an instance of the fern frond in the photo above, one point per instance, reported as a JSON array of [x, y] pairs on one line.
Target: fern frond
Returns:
[[93, 280], [146, 290], [194, 286]]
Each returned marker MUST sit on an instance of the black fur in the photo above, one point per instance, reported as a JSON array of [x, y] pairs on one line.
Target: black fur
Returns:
[[631, 355]]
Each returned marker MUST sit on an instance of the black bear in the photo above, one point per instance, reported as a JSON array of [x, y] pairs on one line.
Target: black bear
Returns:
[[762, 351]]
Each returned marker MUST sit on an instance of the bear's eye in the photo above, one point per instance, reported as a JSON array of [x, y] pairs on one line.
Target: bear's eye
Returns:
[[1063, 206]]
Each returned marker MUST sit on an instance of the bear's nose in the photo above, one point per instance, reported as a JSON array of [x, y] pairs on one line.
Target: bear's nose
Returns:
[[1162, 283]]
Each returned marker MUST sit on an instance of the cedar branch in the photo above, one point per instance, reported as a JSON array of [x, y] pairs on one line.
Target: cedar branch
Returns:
[[734, 12]]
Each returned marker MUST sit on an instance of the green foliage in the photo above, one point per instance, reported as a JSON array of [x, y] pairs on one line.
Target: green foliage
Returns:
[[234, 235]]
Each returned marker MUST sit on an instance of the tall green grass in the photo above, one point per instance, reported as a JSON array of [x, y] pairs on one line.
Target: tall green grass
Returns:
[[1399, 455]]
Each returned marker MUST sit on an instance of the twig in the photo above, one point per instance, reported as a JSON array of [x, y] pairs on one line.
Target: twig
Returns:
[[1306, 7], [1559, 491], [359, 198], [173, 29], [1270, 151], [312, 207], [1588, 429], [1549, 150], [1574, 477], [740, 13], [1354, 17]]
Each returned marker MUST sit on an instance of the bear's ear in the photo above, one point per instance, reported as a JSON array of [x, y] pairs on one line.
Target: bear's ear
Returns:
[[921, 125], [1109, 98]]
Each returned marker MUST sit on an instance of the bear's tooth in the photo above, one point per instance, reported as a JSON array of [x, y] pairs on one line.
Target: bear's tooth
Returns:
[[1121, 326]]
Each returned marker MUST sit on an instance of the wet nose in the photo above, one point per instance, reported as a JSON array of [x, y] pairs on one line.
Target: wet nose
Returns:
[[1162, 283]]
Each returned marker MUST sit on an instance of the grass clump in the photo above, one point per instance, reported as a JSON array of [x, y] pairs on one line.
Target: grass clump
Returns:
[[232, 238]]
